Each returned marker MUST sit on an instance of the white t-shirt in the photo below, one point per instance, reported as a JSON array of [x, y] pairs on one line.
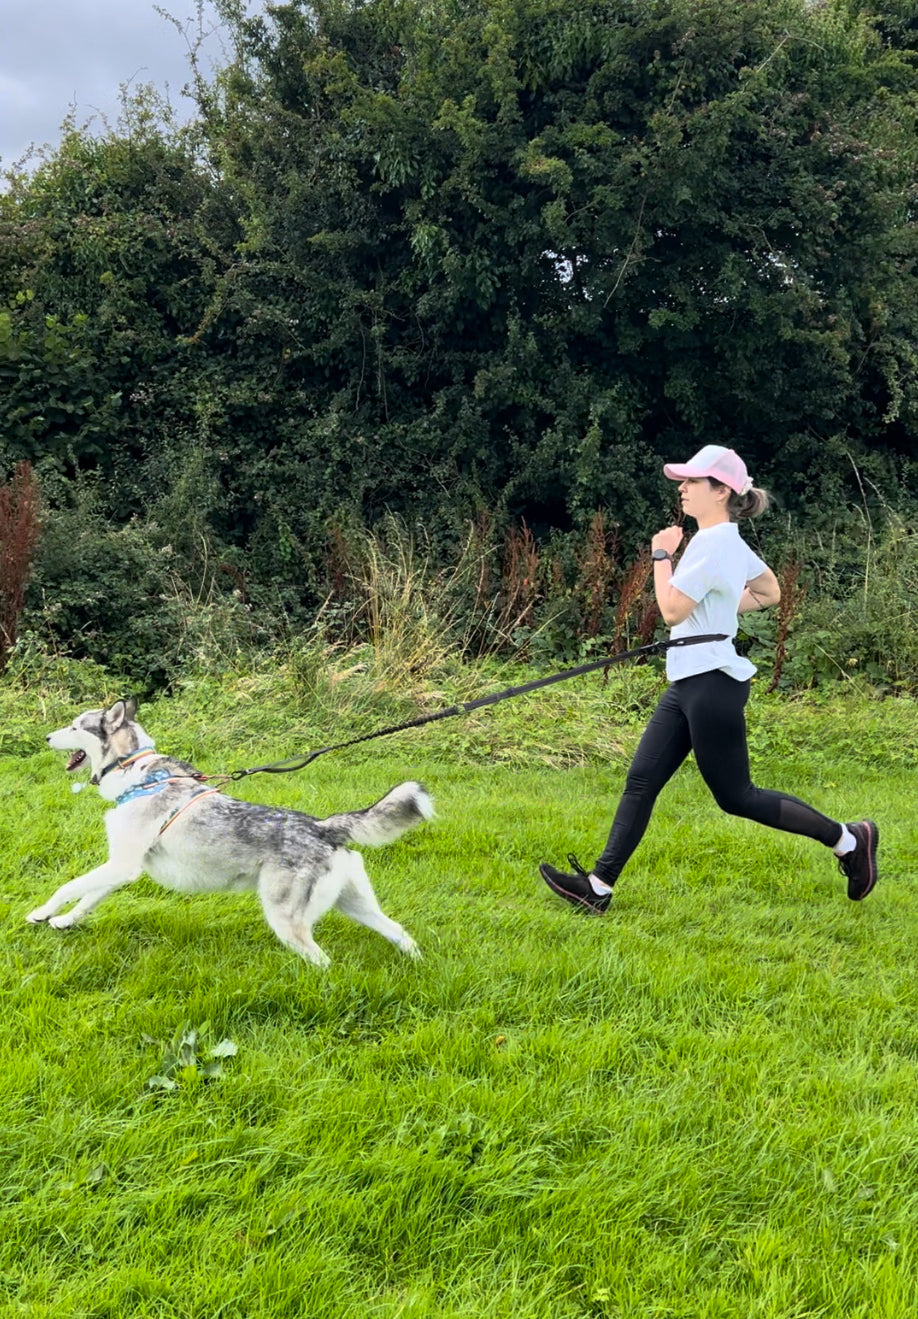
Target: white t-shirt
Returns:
[[713, 571]]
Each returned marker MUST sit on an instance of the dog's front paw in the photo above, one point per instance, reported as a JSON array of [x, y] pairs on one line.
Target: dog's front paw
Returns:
[[410, 948], [38, 916], [63, 922]]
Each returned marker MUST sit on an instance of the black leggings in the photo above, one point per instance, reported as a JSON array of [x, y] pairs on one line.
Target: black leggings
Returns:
[[704, 714]]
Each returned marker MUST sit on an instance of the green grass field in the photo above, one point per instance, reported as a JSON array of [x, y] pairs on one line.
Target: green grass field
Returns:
[[699, 1106]]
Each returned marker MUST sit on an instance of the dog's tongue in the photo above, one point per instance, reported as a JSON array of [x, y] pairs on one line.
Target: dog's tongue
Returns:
[[76, 760]]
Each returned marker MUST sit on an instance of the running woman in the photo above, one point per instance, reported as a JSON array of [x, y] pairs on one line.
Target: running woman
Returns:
[[703, 709]]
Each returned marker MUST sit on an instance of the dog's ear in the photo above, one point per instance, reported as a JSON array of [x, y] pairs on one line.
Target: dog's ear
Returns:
[[122, 712]]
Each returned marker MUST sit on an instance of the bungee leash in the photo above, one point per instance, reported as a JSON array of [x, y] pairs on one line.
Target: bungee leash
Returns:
[[465, 707]]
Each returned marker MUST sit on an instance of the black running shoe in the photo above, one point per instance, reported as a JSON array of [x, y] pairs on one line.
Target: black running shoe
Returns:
[[860, 866], [575, 888]]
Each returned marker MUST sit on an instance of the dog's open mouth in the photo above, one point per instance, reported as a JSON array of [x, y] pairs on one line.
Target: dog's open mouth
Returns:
[[75, 760]]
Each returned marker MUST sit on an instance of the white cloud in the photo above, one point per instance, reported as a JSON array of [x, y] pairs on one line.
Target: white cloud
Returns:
[[16, 96], [78, 57]]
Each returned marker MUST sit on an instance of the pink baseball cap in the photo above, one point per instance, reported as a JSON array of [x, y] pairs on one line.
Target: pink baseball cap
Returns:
[[724, 465]]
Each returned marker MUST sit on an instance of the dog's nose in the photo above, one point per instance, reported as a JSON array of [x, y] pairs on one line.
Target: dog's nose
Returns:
[[48, 738]]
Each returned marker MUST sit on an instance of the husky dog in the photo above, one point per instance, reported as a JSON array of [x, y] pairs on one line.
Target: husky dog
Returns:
[[187, 836]]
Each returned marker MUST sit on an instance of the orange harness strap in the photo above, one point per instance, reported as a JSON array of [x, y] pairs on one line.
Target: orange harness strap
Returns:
[[195, 796]]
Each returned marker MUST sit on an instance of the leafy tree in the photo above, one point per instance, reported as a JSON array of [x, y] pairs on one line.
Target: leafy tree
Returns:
[[107, 255], [520, 250]]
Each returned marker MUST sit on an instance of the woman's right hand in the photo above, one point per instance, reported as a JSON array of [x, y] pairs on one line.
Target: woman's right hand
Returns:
[[669, 539]]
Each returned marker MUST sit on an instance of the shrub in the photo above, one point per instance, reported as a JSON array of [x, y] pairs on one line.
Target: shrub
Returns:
[[849, 612], [122, 597]]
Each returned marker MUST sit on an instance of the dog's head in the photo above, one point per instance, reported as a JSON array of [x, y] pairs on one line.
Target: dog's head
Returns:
[[100, 739]]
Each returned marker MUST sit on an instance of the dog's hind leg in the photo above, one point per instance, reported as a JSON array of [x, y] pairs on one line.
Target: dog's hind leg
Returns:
[[289, 918], [299, 938], [87, 892], [358, 901]]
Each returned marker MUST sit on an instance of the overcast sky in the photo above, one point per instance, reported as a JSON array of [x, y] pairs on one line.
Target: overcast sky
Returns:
[[58, 54]]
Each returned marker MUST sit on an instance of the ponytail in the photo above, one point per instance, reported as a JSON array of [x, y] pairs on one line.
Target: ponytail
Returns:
[[750, 505], [739, 507]]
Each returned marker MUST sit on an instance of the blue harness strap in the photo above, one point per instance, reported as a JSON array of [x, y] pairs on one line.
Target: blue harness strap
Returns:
[[159, 780]]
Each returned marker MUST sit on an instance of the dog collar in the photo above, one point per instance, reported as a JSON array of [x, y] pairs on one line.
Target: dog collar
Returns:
[[121, 763]]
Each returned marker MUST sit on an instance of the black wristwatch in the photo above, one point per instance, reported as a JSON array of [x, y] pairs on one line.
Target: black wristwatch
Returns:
[[659, 555]]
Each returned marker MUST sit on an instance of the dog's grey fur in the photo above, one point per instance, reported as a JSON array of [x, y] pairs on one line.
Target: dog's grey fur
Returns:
[[299, 866]]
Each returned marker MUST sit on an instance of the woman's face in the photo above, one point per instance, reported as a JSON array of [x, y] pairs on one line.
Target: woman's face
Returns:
[[701, 500]]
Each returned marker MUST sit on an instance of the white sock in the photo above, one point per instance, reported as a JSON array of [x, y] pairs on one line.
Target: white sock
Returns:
[[847, 843], [598, 886]]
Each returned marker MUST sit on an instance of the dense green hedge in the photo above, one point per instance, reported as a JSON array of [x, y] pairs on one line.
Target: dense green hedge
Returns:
[[468, 263]]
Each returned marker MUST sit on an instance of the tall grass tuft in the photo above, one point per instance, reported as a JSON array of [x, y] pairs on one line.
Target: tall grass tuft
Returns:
[[396, 626]]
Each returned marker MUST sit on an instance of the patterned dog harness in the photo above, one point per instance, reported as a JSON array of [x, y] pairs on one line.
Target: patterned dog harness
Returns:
[[158, 780]]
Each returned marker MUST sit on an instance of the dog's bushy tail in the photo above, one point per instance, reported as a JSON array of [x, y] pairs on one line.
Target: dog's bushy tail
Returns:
[[400, 809]]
